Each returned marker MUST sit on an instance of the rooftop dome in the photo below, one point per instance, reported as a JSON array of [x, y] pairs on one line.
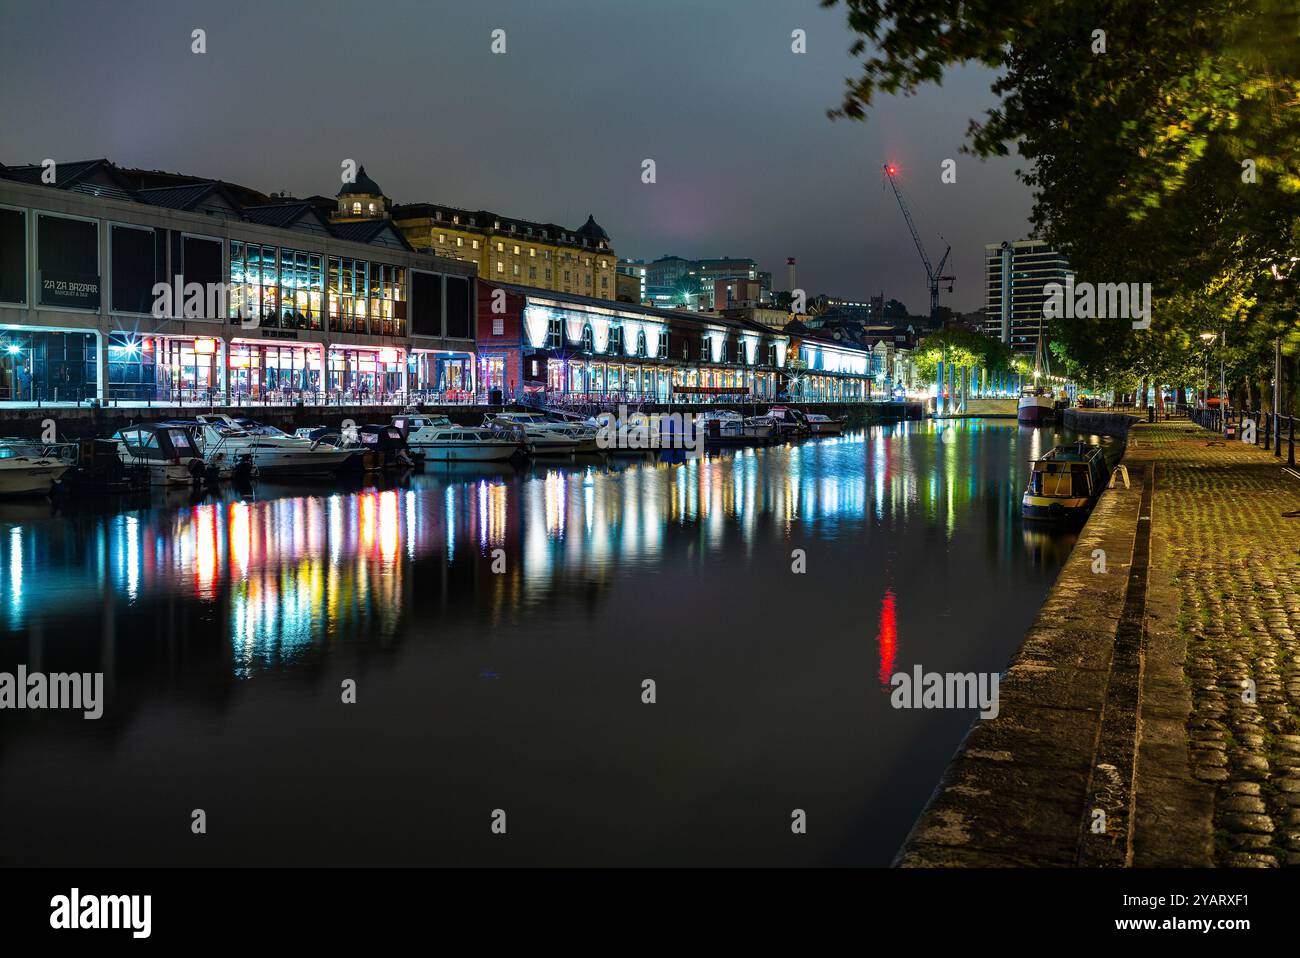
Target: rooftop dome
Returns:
[[591, 230], [362, 184]]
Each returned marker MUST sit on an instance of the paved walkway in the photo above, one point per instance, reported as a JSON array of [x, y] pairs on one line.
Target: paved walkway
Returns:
[[1223, 610], [1152, 715]]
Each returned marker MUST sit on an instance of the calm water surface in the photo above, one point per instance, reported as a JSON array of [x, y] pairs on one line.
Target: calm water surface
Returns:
[[226, 626]]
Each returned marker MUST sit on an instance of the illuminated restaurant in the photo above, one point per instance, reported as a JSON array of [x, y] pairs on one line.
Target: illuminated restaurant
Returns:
[[581, 349]]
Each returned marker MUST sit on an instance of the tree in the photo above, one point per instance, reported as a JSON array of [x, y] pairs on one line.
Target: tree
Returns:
[[1163, 142]]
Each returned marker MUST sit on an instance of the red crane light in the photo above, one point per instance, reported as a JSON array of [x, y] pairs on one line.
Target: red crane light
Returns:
[[891, 169]]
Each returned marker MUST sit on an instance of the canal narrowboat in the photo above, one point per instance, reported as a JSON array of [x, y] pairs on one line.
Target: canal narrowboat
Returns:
[[1065, 483], [169, 450]]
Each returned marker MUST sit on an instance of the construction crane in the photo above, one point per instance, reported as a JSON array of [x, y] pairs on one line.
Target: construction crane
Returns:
[[933, 277]]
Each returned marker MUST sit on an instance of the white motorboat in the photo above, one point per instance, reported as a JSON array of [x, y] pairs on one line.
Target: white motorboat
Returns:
[[168, 450], [540, 436], [451, 443], [25, 469], [225, 440], [825, 425], [729, 426]]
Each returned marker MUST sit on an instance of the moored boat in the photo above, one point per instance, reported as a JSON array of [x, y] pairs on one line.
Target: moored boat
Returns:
[[1065, 483], [540, 436], [225, 441], [168, 450], [25, 469], [728, 427]]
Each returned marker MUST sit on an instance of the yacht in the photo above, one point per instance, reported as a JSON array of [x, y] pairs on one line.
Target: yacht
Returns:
[[26, 470], [540, 436], [1036, 404], [168, 450], [225, 440]]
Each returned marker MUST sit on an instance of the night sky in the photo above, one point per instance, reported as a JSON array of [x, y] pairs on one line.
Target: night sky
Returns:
[[748, 163]]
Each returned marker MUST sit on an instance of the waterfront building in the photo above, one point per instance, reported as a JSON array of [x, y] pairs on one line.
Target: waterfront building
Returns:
[[575, 348], [541, 255], [1013, 300], [292, 304]]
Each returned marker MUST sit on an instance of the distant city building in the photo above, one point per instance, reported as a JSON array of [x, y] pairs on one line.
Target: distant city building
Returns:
[[542, 255], [635, 268], [1013, 302], [694, 283]]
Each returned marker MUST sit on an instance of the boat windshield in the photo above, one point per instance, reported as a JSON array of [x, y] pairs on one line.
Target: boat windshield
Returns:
[[15, 451]]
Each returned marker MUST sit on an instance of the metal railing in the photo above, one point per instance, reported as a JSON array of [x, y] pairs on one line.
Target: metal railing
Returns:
[[1269, 430]]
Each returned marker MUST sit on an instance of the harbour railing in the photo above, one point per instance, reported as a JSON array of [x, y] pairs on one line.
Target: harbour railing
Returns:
[[1271, 430]]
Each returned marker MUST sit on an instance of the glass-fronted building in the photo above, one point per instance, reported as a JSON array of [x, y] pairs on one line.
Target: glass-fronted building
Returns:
[[121, 286]]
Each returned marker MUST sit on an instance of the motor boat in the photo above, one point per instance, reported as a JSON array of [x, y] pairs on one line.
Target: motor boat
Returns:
[[790, 423], [728, 427], [1065, 483], [540, 436], [169, 450], [435, 438], [225, 440], [26, 470], [822, 425]]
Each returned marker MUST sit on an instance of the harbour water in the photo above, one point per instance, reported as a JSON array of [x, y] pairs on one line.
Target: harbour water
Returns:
[[499, 624]]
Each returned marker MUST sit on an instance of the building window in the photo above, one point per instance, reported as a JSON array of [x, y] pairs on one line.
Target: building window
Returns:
[[515, 269], [456, 218], [604, 282], [600, 263], [476, 244], [356, 208], [442, 237], [13, 256], [136, 257], [516, 250], [460, 241], [546, 254], [532, 272], [501, 247], [566, 275], [67, 256], [586, 339], [532, 251], [372, 208], [663, 344], [501, 267], [548, 275]]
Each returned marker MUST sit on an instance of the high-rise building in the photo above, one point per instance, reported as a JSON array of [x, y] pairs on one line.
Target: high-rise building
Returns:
[[1014, 297], [693, 282]]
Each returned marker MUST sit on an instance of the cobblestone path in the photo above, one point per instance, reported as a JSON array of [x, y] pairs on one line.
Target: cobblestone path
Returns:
[[1232, 573]]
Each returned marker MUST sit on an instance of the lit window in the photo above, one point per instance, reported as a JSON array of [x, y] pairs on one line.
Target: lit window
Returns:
[[356, 208], [532, 251], [501, 267], [516, 251], [372, 207], [548, 275], [460, 241], [442, 237], [456, 218], [516, 269], [501, 247], [566, 275], [476, 244]]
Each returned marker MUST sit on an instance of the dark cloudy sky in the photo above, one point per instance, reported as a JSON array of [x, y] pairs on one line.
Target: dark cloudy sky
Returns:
[[556, 128]]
